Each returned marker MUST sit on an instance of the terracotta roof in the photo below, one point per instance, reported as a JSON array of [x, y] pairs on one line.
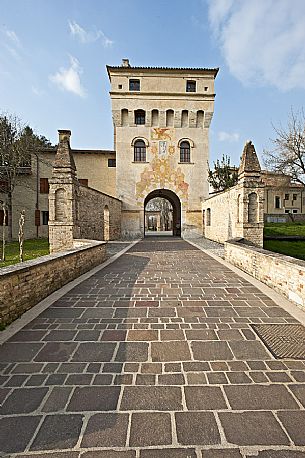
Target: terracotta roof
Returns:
[[174, 69], [52, 149]]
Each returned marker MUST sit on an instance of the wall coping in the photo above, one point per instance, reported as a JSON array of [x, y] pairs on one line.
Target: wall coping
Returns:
[[99, 192], [26, 265], [271, 254]]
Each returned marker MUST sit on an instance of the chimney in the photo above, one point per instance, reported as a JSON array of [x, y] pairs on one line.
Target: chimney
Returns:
[[64, 135], [125, 63]]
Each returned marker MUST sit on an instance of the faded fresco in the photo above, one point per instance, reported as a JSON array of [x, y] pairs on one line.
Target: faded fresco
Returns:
[[162, 172]]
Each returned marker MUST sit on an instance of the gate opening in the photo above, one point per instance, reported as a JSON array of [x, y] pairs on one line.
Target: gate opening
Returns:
[[162, 213]]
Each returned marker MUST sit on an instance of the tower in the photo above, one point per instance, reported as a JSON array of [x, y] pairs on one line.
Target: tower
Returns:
[[161, 120]]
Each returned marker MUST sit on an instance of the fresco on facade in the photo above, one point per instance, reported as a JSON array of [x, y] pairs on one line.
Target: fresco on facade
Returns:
[[162, 171]]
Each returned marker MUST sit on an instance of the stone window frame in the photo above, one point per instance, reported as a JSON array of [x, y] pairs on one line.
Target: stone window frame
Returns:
[[143, 154], [191, 86], [134, 84], [277, 199], [182, 154], [139, 117]]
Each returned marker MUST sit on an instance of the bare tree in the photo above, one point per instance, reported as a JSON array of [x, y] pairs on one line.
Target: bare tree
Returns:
[[288, 153], [21, 235], [17, 143]]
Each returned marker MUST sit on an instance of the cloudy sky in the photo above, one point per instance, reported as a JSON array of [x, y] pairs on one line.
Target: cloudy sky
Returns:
[[53, 55]]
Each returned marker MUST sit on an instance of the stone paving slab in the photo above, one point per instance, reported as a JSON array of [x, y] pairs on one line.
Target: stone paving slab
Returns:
[[152, 357]]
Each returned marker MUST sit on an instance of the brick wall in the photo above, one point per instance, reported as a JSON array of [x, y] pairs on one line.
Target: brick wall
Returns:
[[92, 209], [30, 282], [284, 274]]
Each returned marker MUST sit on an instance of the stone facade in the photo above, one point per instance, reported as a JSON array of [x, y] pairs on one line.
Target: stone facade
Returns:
[[163, 108], [77, 211], [239, 211], [92, 215], [30, 282], [284, 274], [283, 197], [95, 167]]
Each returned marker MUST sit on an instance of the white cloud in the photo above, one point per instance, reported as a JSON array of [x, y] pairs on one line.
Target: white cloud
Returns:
[[85, 36], [228, 137], [68, 79], [12, 36], [262, 41]]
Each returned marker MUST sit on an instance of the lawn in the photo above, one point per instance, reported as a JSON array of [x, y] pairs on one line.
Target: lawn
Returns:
[[32, 249], [296, 249], [278, 229]]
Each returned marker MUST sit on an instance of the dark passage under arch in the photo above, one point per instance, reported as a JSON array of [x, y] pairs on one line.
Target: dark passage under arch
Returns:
[[176, 205]]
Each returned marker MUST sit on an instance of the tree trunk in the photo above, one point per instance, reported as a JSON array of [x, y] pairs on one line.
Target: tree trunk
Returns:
[[9, 217]]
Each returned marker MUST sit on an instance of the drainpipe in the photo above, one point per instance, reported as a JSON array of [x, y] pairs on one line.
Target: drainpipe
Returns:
[[37, 197]]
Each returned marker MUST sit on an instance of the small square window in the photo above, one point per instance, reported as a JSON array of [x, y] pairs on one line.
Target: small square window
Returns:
[[206, 88], [111, 162], [294, 211], [191, 86], [286, 196], [120, 86], [134, 85], [45, 218], [287, 211], [83, 181], [294, 196]]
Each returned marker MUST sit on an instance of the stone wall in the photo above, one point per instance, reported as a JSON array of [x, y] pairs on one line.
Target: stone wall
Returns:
[[284, 274], [92, 215], [220, 216], [239, 211], [30, 282]]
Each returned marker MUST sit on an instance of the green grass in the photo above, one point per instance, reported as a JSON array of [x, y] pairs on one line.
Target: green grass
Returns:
[[296, 249], [278, 229], [32, 249]]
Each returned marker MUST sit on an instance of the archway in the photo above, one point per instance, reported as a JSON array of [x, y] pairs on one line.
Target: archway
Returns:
[[175, 203]]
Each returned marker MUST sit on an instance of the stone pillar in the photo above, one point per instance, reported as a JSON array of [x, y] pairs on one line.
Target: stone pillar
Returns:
[[63, 197], [250, 190]]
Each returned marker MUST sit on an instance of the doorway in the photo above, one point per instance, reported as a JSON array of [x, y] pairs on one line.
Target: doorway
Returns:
[[162, 213]]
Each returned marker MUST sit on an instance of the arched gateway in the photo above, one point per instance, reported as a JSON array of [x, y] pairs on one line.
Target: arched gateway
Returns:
[[175, 203]]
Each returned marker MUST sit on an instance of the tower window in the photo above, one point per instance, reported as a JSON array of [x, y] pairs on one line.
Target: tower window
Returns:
[[139, 117], [111, 163], [185, 152], [139, 151], [191, 86], [134, 85]]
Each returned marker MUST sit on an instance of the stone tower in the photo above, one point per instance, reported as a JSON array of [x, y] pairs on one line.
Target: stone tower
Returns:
[[63, 201], [161, 120], [250, 204]]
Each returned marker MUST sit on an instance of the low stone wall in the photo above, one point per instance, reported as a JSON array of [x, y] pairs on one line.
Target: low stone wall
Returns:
[[24, 285], [91, 215], [284, 274]]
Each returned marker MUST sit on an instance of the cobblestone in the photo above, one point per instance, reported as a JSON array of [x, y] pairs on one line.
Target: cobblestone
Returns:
[[153, 357]]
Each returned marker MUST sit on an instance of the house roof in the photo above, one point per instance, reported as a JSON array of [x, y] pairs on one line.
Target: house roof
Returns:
[[52, 149], [128, 68]]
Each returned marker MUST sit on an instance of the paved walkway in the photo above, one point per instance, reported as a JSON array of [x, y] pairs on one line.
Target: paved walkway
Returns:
[[152, 357]]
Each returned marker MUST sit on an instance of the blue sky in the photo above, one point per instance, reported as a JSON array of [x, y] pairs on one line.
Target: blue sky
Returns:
[[53, 55]]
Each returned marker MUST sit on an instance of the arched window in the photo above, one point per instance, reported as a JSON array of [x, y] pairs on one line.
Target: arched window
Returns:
[[60, 205], [124, 117], [106, 222], [184, 118], [139, 151], [252, 208], [185, 152], [155, 118], [169, 118], [139, 117], [199, 120], [208, 217]]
